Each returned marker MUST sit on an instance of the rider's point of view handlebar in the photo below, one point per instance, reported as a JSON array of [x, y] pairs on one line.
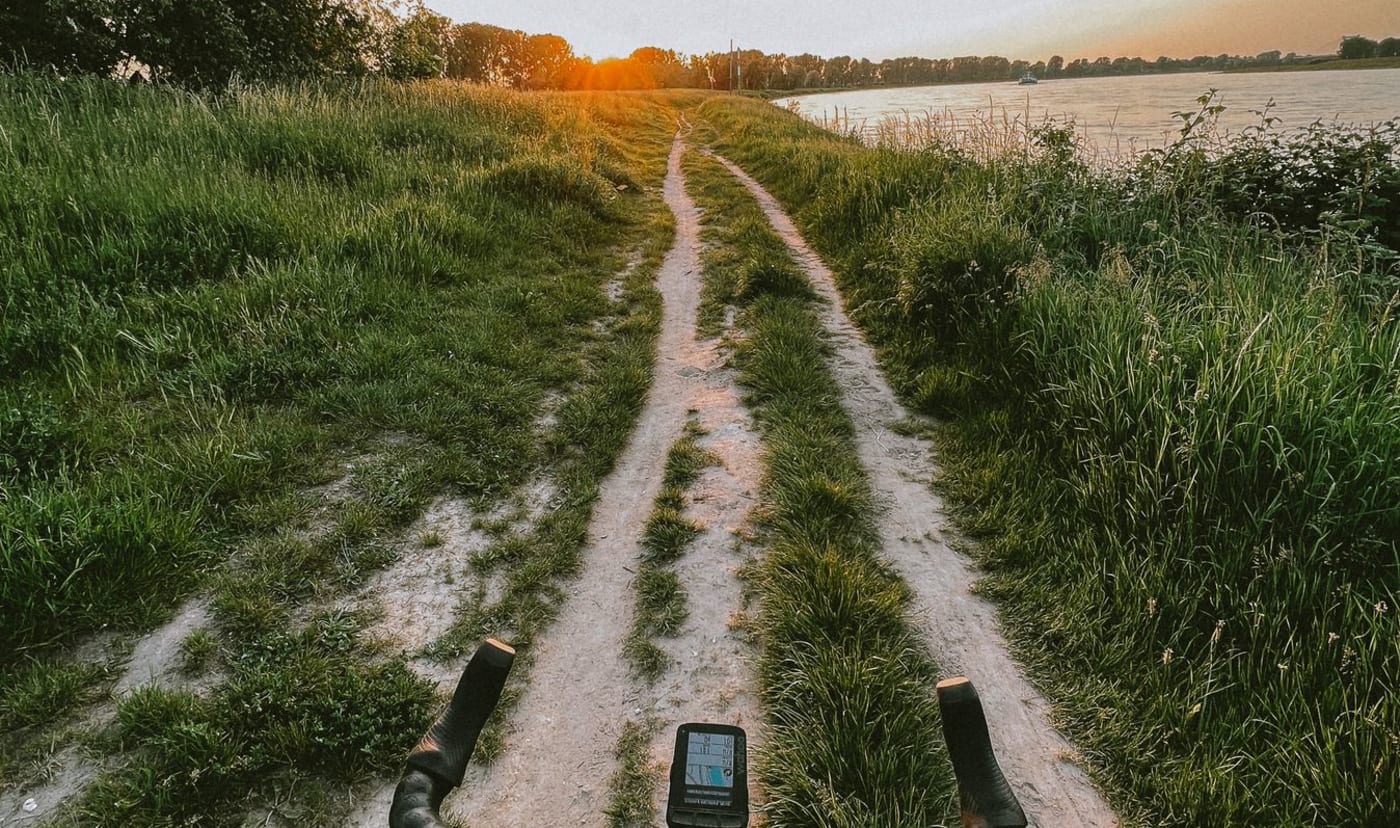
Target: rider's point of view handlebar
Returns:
[[439, 762], [985, 796]]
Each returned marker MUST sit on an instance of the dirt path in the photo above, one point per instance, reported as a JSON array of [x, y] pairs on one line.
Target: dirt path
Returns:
[[558, 759], [961, 628]]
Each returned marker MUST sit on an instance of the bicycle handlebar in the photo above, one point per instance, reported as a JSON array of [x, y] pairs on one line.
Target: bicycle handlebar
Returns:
[[985, 796], [439, 762]]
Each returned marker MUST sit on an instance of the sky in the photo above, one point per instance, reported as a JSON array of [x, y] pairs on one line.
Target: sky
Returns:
[[877, 29]]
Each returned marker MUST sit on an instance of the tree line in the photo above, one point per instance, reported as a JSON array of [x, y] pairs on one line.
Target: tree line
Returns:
[[206, 43], [489, 54]]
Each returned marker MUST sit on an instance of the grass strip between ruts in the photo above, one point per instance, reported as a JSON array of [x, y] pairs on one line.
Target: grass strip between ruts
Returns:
[[852, 736], [661, 606]]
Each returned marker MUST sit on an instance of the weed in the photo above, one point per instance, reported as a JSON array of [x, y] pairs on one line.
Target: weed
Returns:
[[630, 800], [199, 652]]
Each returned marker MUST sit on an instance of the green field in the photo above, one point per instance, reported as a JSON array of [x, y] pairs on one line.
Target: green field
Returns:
[[215, 307]]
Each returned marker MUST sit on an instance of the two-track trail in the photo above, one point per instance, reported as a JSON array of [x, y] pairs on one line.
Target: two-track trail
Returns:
[[558, 759], [961, 627]]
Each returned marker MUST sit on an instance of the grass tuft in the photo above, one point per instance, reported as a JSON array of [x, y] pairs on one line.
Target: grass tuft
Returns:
[[631, 803]]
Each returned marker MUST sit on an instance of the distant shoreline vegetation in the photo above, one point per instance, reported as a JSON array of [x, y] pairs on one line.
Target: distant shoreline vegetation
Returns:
[[216, 42], [1330, 64]]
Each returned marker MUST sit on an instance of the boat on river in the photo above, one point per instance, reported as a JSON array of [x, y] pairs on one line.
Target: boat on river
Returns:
[[1028, 79]]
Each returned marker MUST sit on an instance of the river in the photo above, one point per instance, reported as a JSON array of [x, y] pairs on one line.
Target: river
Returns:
[[1117, 115]]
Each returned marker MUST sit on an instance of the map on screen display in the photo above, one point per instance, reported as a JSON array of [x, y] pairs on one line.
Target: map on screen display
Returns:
[[709, 760]]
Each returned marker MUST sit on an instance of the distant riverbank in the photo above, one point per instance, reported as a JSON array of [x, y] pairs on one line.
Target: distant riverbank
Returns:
[[1322, 66], [1116, 116]]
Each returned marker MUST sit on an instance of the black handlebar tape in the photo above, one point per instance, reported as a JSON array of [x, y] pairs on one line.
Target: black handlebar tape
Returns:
[[447, 746], [416, 801], [986, 798], [439, 762]]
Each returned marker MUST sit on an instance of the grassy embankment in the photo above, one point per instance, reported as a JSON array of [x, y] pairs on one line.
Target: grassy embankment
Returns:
[[852, 734], [1326, 65], [1173, 431], [211, 306]]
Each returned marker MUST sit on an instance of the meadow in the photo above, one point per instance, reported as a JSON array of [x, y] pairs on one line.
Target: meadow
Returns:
[[249, 339], [1169, 403], [221, 310]]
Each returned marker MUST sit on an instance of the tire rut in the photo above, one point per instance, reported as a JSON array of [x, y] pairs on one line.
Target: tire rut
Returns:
[[961, 628], [558, 760]]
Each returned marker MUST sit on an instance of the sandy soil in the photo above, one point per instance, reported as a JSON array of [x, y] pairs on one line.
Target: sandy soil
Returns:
[[712, 676], [154, 661], [961, 628], [67, 774]]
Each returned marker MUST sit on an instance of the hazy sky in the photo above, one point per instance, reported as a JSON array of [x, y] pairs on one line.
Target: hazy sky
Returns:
[[1032, 29]]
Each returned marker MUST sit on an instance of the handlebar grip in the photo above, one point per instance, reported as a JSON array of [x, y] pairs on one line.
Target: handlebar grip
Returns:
[[986, 799], [439, 762]]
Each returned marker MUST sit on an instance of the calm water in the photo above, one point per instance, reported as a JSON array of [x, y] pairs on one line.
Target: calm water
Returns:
[[1125, 113]]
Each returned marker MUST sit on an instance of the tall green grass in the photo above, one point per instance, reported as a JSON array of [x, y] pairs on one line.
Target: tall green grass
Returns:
[[1175, 431], [210, 304], [203, 296]]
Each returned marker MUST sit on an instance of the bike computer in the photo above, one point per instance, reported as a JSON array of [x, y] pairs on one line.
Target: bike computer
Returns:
[[709, 778]]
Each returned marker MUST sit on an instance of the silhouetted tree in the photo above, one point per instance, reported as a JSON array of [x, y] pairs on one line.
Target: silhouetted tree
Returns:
[[668, 69], [417, 47], [545, 62], [480, 53], [1356, 46]]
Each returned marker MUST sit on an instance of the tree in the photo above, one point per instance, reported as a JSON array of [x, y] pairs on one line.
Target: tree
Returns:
[[1054, 65], [544, 62], [212, 41], [665, 66], [480, 53], [417, 47], [1356, 46], [994, 67], [69, 36], [1390, 47]]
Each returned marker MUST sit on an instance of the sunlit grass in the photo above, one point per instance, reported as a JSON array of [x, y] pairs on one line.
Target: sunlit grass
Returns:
[[210, 304], [1171, 424]]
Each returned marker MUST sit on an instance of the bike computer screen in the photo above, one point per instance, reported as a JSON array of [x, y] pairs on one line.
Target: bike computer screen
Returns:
[[709, 778]]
